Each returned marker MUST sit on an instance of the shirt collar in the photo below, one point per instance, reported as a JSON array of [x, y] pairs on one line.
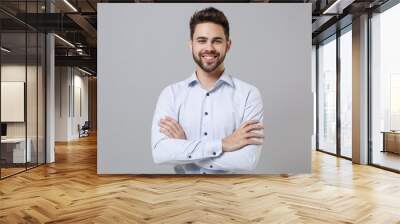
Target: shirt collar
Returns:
[[225, 78]]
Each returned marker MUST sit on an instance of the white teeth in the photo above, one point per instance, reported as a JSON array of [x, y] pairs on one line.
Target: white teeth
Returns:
[[209, 57]]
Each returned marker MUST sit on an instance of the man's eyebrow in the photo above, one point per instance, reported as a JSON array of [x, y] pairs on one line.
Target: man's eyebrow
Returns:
[[218, 38], [205, 38]]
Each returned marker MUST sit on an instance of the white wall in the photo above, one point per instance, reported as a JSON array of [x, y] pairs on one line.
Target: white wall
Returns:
[[62, 81], [79, 117], [69, 82]]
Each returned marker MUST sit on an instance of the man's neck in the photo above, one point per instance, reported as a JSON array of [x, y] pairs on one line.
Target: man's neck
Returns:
[[208, 79]]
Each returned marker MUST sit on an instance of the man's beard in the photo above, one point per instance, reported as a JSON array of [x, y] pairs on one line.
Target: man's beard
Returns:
[[206, 67]]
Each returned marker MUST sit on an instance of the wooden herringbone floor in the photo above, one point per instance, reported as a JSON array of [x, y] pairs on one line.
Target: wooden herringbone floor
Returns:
[[70, 191]]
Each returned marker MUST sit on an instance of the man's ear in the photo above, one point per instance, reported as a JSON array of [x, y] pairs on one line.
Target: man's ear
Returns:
[[228, 45], [190, 45]]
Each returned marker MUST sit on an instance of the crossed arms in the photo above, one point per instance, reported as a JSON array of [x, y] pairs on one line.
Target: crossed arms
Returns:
[[236, 152]]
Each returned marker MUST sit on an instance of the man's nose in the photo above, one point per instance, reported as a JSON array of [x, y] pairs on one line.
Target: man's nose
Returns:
[[209, 46]]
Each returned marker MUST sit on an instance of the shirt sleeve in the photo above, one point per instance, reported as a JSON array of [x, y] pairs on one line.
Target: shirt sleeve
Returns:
[[177, 151], [246, 158]]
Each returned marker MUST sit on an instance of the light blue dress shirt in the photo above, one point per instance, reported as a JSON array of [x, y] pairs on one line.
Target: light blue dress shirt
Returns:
[[206, 117]]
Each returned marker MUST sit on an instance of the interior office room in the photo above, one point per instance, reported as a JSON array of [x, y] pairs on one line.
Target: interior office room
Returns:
[[23, 103], [52, 113]]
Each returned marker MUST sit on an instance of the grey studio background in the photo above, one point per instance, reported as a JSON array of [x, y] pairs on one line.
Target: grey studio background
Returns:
[[271, 49]]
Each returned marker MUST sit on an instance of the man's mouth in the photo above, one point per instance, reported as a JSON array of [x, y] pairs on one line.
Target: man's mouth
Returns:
[[209, 58]]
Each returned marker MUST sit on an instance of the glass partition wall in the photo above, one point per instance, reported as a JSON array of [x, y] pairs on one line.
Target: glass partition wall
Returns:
[[22, 77], [327, 95], [385, 89], [345, 62], [334, 105]]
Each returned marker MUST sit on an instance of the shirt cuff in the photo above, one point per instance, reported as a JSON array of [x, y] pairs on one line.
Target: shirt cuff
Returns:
[[213, 148]]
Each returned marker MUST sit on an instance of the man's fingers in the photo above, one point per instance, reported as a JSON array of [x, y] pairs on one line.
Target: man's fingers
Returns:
[[168, 127], [165, 132], [254, 135], [248, 122], [253, 127], [255, 141], [173, 122], [169, 124]]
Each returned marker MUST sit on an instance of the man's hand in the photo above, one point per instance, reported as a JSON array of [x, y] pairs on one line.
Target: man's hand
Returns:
[[171, 128], [249, 133]]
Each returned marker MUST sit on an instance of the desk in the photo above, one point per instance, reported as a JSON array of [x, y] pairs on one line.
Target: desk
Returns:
[[391, 141], [13, 150]]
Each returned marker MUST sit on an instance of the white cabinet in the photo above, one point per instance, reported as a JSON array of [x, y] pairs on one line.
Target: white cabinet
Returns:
[[18, 149]]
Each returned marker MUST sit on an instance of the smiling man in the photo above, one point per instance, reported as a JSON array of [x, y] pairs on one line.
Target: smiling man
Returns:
[[211, 122]]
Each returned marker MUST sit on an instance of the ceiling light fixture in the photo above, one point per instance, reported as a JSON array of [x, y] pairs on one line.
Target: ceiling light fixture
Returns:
[[70, 5], [5, 50], [331, 7], [337, 7], [84, 71], [65, 41]]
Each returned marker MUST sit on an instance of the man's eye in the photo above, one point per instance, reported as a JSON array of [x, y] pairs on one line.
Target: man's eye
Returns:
[[201, 41]]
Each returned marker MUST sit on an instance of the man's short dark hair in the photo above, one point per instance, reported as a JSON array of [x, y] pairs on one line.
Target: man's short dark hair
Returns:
[[206, 15]]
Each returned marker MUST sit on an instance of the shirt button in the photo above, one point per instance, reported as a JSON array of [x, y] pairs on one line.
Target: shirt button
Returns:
[[207, 94], [214, 153], [205, 113], [211, 166], [189, 156], [205, 133]]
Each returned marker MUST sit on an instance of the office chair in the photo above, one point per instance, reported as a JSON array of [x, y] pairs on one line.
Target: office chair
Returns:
[[84, 130]]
